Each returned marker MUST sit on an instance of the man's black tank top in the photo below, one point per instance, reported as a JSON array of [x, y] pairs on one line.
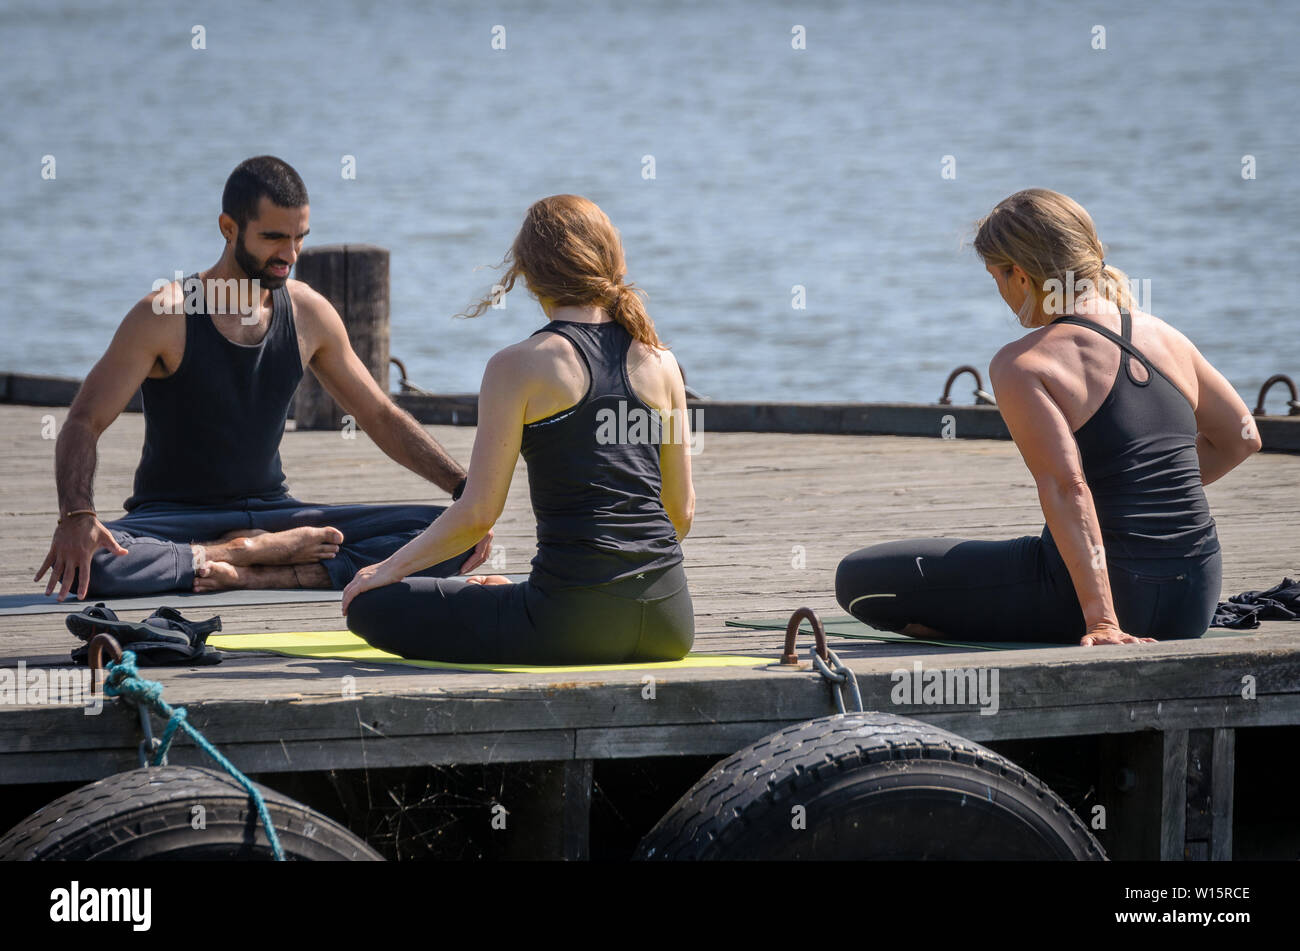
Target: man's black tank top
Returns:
[[1139, 457], [594, 476], [212, 429]]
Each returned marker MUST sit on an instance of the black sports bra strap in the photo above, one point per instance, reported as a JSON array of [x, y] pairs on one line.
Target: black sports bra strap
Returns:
[[1125, 342], [604, 368]]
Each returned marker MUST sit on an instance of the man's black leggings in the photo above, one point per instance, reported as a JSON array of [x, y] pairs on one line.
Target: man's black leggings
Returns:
[[1019, 590], [638, 620]]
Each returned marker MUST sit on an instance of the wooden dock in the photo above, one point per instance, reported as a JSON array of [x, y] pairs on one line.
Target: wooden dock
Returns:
[[775, 514]]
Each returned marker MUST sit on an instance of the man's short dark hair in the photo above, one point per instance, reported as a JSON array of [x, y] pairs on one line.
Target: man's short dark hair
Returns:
[[255, 177]]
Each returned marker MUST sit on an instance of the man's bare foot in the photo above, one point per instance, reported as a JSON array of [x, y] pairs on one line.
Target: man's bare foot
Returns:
[[294, 546], [217, 576], [243, 533], [223, 576]]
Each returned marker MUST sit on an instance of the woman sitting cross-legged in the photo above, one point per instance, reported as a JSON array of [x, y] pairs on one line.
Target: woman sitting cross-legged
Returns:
[[597, 406], [1120, 420]]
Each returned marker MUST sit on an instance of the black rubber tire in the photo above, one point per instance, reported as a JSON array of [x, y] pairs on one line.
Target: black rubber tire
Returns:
[[873, 786], [146, 814]]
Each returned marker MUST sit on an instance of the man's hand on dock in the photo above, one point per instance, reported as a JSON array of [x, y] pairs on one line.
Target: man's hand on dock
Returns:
[[76, 539]]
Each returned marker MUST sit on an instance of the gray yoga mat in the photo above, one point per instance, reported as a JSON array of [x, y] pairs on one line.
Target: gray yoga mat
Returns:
[[853, 628], [38, 603]]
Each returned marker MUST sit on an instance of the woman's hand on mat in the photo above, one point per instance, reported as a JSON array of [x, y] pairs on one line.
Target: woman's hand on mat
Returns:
[[371, 576], [479, 555], [488, 579], [76, 539], [1111, 634]]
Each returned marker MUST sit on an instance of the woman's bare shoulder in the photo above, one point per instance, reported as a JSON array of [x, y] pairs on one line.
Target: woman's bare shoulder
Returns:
[[522, 362], [1160, 327], [1021, 352], [654, 373], [641, 352], [540, 353], [1159, 338]]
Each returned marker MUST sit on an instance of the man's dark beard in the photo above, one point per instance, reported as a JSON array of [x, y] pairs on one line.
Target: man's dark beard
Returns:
[[255, 268]]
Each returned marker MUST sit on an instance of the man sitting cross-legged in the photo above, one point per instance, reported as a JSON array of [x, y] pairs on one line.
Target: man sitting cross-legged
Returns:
[[210, 507]]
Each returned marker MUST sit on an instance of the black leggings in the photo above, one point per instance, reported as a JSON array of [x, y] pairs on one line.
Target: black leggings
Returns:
[[1019, 590], [638, 620]]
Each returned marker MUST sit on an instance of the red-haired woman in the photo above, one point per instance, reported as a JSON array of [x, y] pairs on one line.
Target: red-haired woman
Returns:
[[597, 406]]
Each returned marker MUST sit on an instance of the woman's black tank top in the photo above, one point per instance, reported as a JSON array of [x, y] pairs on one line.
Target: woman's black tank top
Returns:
[[212, 429], [1139, 457], [594, 476]]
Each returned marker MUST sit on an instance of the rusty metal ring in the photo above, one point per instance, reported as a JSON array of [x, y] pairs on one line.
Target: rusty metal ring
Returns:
[[405, 385], [401, 368], [946, 400], [1268, 384], [789, 657], [95, 653]]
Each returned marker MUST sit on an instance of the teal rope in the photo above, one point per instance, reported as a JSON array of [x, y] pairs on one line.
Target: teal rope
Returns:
[[124, 681]]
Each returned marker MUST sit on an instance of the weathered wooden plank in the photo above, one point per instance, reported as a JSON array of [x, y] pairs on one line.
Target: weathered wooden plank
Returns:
[[1173, 799], [673, 739], [309, 748], [1094, 720], [1199, 828], [358, 752], [1131, 793], [1206, 671], [300, 730], [575, 823], [1223, 757]]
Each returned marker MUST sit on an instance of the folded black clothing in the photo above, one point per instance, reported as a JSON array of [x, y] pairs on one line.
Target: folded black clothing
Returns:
[[1244, 611], [150, 654], [164, 639]]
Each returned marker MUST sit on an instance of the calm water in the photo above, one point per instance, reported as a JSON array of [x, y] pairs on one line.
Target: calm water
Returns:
[[773, 167]]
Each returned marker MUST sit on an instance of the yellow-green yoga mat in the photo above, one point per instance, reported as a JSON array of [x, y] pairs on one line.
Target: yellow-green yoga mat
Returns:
[[344, 645]]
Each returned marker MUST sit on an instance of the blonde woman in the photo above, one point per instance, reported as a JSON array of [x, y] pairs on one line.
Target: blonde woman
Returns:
[[612, 501], [1120, 420]]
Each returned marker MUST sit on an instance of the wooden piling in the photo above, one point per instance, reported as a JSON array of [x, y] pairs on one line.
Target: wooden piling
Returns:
[[354, 278]]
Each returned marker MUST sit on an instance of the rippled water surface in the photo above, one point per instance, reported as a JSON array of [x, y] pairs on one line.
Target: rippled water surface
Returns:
[[774, 167]]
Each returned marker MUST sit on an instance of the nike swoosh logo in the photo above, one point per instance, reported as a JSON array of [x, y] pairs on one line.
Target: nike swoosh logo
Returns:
[[866, 597], [918, 566]]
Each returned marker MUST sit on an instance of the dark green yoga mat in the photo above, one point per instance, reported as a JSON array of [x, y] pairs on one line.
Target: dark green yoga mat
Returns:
[[851, 627]]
